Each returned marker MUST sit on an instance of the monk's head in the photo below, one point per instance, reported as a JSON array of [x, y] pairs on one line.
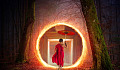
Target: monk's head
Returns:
[[61, 41]]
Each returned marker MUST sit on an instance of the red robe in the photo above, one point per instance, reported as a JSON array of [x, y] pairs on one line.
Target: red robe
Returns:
[[59, 55]]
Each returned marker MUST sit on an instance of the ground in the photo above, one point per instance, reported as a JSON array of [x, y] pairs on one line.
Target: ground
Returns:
[[27, 66]]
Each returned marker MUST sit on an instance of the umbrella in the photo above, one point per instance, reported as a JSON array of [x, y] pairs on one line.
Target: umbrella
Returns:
[[66, 32]]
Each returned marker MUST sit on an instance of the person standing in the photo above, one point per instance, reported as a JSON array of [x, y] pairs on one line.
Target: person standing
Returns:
[[59, 54]]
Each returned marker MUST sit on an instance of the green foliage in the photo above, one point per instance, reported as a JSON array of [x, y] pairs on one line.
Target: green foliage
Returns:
[[101, 59], [118, 66]]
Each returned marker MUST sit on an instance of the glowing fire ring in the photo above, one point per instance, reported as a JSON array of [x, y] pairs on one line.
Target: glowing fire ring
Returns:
[[78, 62]]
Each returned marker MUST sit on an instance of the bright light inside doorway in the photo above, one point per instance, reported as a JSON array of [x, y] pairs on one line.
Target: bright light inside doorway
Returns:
[[70, 48]]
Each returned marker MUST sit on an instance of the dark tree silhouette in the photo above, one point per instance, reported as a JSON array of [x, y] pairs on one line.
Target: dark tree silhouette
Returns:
[[29, 21], [101, 59]]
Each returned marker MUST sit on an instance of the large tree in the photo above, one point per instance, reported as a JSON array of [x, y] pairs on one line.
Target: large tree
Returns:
[[101, 59], [27, 29]]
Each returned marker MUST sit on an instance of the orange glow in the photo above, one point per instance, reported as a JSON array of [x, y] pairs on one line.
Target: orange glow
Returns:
[[80, 59]]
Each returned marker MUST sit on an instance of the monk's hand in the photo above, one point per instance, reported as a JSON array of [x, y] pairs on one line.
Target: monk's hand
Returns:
[[65, 44]]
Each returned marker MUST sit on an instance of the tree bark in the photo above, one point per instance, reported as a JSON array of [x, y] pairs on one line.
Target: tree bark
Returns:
[[29, 22], [101, 59]]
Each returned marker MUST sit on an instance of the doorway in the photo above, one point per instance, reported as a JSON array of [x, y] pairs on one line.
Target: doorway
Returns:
[[68, 52]]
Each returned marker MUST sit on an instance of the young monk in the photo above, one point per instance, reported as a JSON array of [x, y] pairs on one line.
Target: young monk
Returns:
[[59, 54]]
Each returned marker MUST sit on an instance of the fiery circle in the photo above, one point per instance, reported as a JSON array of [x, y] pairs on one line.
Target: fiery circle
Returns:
[[78, 62]]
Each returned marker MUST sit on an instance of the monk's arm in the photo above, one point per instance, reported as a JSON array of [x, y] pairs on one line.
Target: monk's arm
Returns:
[[64, 46]]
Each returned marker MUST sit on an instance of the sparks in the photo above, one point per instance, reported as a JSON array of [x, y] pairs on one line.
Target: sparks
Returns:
[[80, 59]]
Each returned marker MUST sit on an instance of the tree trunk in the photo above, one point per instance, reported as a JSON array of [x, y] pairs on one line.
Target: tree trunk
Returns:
[[29, 21], [101, 59]]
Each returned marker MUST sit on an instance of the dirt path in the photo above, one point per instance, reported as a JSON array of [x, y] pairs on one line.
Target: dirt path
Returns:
[[27, 66]]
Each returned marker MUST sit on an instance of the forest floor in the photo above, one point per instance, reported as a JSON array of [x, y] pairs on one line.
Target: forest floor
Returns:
[[27, 66]]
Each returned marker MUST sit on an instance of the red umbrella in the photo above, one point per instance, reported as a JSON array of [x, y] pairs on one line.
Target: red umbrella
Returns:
[[66, 32]]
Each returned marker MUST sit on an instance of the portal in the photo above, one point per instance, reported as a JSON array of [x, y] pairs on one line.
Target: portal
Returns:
[[80, 58]]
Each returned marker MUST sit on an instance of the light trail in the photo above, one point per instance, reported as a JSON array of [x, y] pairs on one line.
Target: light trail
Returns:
[[80, 59]]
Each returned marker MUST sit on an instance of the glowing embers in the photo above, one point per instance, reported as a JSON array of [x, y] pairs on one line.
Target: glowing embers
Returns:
[[80, 59]]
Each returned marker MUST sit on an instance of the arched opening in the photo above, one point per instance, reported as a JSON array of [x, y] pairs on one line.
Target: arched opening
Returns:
[[51, 38], [80, 59]]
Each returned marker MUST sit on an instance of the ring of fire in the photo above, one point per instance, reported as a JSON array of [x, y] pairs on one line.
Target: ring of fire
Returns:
[[80, 59]]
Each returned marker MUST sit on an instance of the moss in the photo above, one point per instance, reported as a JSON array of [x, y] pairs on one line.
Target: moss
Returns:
[[101, 59]]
